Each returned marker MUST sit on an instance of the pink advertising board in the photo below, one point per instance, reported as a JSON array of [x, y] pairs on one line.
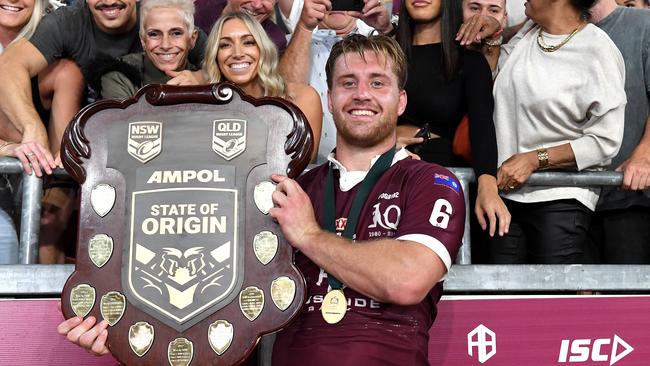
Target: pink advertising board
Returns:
[[541, 331], [497, 331]]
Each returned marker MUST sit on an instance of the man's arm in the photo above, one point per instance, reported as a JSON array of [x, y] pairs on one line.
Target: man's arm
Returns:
[[636, 169], [64, 83], [388, 270], [375, 15], [19, 63], [296, 61], [515, 171], [480, 27], [285, 7]]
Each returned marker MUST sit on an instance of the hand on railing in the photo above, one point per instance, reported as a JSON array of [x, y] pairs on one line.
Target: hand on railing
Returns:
[[32, 155], [636, 169], [515, 171]]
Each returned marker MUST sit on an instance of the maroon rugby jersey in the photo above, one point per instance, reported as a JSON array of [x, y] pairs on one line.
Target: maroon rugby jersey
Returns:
[[414, 200]]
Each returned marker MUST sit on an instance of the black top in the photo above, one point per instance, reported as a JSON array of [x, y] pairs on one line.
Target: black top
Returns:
[[443, 104], [71, 32]]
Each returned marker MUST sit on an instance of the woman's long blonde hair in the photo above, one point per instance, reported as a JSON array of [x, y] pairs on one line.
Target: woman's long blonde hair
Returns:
[[267, 66]]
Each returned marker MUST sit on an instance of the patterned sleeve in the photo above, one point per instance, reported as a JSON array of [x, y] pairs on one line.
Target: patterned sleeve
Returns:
[[434, 212]]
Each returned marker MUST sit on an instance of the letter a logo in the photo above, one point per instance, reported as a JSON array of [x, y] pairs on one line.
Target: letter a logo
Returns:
[[483, 339]]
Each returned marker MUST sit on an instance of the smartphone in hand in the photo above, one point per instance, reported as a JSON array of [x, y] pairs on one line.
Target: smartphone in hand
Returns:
[[424, 132], [347, 5]]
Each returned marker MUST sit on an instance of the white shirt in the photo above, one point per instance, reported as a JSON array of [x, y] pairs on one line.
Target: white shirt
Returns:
[[574, 95], [350, 178]]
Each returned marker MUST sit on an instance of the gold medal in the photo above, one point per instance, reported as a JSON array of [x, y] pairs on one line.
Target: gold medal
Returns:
[[334, 306]]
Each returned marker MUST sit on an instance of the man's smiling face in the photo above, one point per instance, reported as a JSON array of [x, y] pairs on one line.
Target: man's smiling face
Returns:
[[113, 16]]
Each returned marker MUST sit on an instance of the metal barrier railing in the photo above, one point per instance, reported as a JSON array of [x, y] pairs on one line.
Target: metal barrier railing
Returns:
[[30, 216], [49, 279], [547, 178]]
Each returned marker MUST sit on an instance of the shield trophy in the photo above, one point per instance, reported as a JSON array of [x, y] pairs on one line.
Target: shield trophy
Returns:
[[176, 248]]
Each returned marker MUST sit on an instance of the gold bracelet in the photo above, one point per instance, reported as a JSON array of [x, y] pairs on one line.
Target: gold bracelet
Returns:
[[542, 159]]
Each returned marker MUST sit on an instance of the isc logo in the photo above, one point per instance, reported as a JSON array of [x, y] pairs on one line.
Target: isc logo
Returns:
[[580, 350]]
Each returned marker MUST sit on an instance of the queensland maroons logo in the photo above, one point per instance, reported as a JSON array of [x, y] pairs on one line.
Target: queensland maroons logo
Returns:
[[229, 137], [145, 140]]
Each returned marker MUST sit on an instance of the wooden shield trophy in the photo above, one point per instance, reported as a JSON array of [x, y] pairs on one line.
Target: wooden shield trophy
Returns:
[[175, 248]]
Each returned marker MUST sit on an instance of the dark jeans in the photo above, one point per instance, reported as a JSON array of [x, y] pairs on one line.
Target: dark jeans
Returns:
[[553, 232], [622, 236]]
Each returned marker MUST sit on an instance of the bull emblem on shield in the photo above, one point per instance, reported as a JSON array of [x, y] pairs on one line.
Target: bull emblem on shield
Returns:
[[169, 272]]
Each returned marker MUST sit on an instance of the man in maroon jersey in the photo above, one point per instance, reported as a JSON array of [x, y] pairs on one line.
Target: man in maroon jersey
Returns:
[[370, 300], [373, 301]]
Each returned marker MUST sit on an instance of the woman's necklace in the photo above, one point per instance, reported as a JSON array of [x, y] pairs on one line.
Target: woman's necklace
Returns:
[[547, 48]]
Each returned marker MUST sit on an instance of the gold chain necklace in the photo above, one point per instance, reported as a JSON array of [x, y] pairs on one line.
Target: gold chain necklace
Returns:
[[547, 48]]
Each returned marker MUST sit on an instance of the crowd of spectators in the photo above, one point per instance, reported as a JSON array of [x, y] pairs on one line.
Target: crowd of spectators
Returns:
[[507, 91]]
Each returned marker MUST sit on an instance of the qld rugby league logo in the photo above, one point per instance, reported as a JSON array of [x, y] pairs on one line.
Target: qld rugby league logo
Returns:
[[229, 137], [145, 140]]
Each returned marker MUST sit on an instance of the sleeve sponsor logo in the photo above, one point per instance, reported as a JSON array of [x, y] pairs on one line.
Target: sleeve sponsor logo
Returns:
[[445, 180]]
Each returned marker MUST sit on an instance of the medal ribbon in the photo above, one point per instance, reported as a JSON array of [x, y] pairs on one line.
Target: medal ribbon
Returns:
[[329, 207]]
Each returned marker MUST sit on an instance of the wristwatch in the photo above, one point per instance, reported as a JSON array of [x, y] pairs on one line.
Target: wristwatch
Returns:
[[542, 159]]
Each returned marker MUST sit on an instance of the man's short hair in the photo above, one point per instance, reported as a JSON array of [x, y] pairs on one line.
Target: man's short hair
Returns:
[[380, 45], [185, 6]]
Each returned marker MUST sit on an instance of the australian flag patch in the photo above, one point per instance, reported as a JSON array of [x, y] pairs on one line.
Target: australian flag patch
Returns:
[[445, 180]]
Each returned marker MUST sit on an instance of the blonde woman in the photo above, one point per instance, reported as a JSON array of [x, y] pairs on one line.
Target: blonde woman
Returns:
[[56, 93], [239, 51]]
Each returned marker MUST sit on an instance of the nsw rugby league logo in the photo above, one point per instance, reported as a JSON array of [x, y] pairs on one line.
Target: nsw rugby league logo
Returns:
[[229, 137], [145, 140]]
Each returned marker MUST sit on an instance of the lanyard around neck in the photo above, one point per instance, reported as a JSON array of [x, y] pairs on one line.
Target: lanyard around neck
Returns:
[[329, 207]]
